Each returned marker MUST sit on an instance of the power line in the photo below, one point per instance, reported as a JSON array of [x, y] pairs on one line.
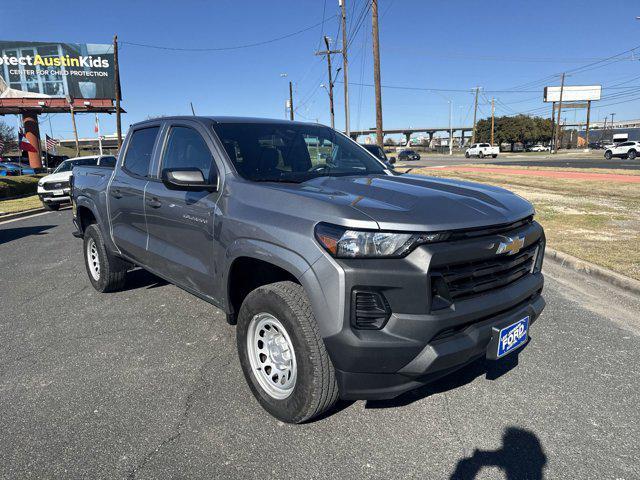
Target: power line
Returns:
[[235, 47]]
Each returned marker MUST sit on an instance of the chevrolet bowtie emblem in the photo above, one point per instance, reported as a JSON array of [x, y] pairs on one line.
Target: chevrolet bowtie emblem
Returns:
[[510, 246]]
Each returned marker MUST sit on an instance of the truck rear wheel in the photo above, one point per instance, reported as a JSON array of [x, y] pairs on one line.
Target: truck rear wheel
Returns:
[[481, 154], [106, 272], [283, 357]]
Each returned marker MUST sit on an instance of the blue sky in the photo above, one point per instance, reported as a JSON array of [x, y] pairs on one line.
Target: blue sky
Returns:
[[497, 45]]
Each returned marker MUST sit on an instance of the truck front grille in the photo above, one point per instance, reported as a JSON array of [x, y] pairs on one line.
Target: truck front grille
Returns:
[[55, 185], [464, 280]]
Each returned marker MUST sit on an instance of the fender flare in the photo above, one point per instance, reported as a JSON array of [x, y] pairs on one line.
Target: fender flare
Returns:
[[87, 202], [268, 252]]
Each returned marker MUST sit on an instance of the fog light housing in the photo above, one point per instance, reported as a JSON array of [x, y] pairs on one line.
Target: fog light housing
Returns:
[[369, 310]]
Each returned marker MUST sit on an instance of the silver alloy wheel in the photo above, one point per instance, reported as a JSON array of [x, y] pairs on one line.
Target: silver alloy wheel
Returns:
[[92, 259], [271, 354]]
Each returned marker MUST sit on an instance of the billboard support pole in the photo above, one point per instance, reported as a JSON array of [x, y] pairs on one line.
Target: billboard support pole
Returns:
[[32, 134], [116, 76], [553, 125]]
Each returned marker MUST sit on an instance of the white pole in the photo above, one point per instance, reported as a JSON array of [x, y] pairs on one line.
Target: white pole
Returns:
[[99, 135], [450, 128]]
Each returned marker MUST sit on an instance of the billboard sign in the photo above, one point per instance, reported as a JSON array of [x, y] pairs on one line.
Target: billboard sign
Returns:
[[573, 93], [56, 70]]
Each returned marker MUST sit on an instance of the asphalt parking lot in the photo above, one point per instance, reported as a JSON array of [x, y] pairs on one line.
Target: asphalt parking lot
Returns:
[[561, 161], [145, 383]]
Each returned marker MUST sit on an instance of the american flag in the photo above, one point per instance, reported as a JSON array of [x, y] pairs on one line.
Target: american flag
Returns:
[[51, 142]]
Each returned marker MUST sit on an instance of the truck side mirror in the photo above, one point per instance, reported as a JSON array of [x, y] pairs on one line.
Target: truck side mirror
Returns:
[[188, 179]]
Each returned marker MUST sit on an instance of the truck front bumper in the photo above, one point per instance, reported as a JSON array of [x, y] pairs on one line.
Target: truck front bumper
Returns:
[[428, 361], [51, 196]]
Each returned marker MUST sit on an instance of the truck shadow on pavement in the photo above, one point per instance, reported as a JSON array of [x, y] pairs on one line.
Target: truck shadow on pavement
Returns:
[[521, 456], [10, 234], [490, 369], [140, 278]]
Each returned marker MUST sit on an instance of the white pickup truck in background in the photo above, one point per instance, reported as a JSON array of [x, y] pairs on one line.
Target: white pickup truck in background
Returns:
[[482, 150]]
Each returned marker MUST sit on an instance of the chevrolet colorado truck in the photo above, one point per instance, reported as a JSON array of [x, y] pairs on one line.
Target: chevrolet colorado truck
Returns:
[[343, 280]]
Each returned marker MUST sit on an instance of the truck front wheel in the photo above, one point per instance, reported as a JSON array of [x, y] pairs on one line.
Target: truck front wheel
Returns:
[[283, 357], [51, 206], [106, 272]]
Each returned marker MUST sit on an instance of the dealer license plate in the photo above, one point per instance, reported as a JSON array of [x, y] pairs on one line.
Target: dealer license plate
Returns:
[[58, 193], [513, 337]]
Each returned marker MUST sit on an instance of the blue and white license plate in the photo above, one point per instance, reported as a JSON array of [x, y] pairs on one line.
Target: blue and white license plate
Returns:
[[513, 336]]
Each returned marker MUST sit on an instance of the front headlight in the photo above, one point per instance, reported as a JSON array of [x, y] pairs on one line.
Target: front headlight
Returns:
[[341, 242]]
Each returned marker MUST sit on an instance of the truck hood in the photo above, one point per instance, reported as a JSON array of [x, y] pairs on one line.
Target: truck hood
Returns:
[[56, 177], [418, 203]]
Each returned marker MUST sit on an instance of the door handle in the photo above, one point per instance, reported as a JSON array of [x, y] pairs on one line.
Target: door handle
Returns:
[[115, 193], [154, 202]]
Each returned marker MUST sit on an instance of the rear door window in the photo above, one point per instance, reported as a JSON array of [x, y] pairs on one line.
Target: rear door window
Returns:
[[140, 150]]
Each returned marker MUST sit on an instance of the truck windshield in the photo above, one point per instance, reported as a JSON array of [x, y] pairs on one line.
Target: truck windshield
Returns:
[[284, 152], [68, 165]]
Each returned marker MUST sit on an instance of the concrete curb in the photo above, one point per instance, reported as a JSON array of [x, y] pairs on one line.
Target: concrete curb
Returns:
[[25, 213], [625, 283]]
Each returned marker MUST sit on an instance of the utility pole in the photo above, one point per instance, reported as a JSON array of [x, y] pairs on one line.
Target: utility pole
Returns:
[[493, 111], [116, 77], [345, 66], [557, 135], [290, 101], [328, 52], [193, 111], [376, 72], [475, 113]]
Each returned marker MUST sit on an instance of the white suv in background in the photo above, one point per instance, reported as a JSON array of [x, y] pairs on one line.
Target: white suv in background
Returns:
[[628, 150], [54, 189]]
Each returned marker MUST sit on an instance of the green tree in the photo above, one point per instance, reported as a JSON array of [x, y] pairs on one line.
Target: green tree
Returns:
[[519, 128]]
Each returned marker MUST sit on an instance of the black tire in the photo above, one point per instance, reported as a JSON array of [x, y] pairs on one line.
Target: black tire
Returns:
[[494, 156], [466, 155], [481, 155], [112, 271], [315, 389], [51, 206], [632, 155], [608, 155]]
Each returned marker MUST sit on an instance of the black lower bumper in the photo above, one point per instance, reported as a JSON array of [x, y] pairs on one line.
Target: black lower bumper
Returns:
[[437, 358]]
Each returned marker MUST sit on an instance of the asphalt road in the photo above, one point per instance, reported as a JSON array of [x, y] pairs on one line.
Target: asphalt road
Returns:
[[145, 383], [561, 161]]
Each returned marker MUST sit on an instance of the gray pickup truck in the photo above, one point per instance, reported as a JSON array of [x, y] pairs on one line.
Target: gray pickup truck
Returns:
[[344, 280]]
